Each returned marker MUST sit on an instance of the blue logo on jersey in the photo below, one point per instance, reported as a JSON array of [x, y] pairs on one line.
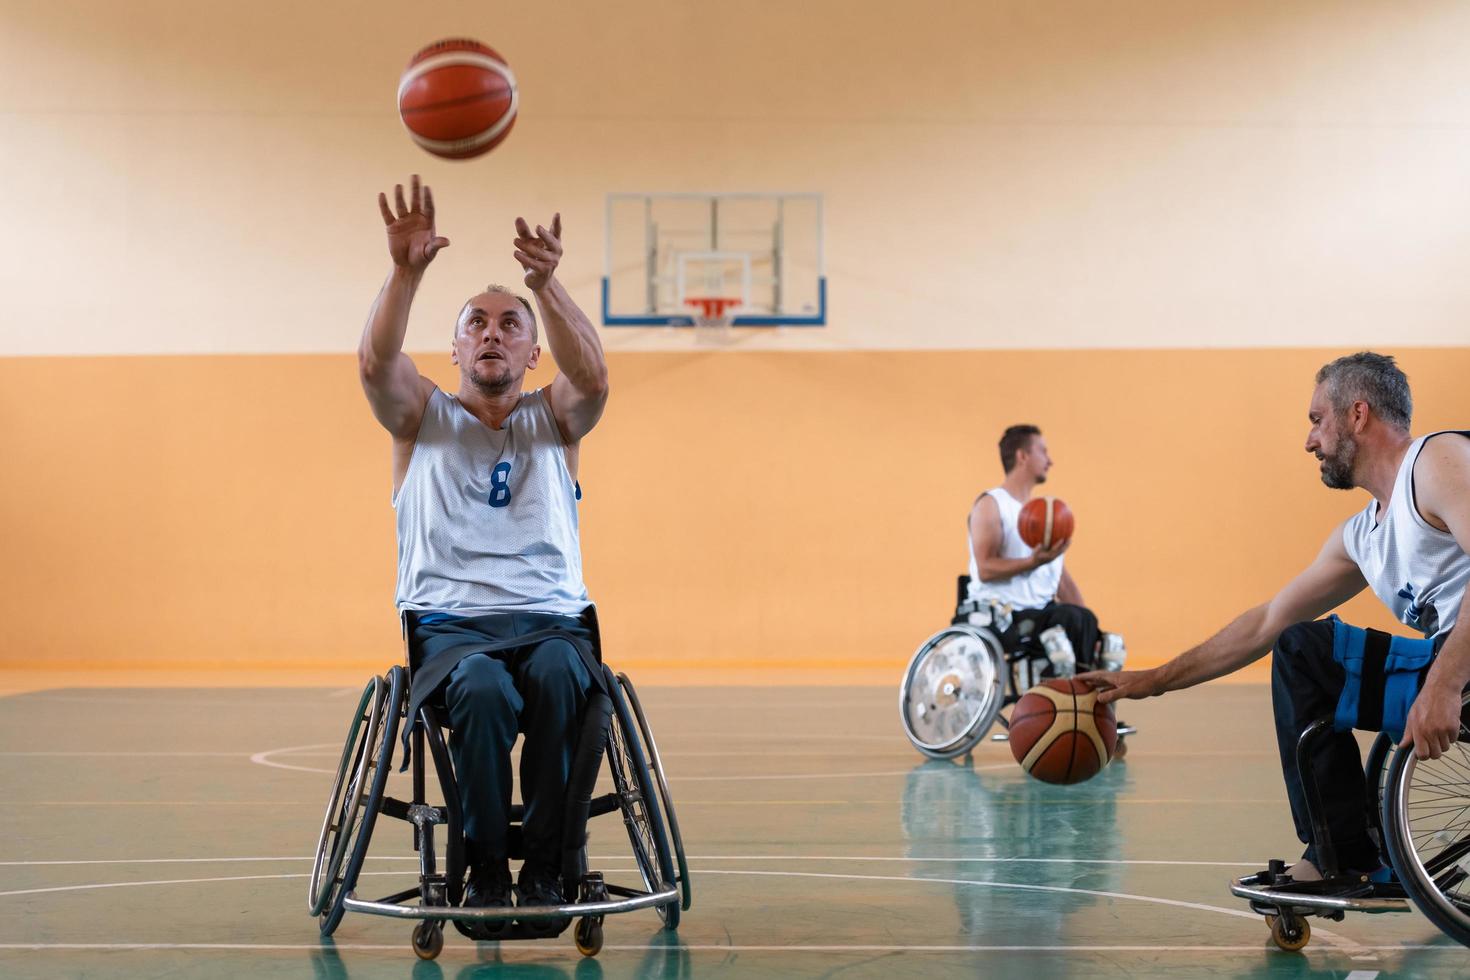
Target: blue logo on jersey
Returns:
[[500, 485], [1415, 609]]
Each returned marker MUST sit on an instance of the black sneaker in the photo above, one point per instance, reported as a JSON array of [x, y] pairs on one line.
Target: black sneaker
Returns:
[[536, 887], [489, 887]]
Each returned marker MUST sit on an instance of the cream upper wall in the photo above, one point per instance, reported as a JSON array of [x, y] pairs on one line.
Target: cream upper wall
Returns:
[[199, 177]]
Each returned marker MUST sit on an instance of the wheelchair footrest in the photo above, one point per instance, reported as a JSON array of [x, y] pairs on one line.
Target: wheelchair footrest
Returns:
[[1273, 893], [610, 906]]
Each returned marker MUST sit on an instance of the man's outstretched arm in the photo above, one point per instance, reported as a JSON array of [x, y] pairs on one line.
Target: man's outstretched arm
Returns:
[[392, 383], [1332, 579], [579, 392]]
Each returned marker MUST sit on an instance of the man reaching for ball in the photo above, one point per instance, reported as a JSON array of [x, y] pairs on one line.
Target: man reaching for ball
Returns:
[[1409, 545], [489, 560], [1033, 582]]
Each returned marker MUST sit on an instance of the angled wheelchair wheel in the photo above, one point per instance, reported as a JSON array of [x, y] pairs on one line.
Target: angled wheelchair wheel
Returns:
[[661, 782], [344, 802], [374, 764], [639, 802], [952, 691], [1426, 819]]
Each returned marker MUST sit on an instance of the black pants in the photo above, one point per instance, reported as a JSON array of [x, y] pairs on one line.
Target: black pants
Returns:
[[1078, 621], [496, 677], [1306, 683]]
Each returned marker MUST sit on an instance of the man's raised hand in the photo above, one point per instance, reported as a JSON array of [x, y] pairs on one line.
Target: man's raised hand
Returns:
[[412, 243], [538, 253]]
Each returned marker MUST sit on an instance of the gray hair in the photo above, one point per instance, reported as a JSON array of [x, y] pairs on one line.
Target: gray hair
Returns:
[[1372, 378], [504, 291]]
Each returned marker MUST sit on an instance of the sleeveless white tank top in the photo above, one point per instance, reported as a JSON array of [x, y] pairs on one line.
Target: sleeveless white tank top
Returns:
[[1029, 590], [1419, 571], [487, 519]]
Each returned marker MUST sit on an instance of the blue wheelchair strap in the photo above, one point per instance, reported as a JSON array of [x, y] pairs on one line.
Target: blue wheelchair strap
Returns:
[[1383, 676]]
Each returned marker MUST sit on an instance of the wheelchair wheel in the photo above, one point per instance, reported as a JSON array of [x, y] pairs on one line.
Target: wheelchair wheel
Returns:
[[345, 798], [1426, 814], [953, 691], [661, 781], [638, 801], [374, 765]]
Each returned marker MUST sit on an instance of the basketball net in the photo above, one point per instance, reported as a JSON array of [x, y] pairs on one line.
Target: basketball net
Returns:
[[713, 316]]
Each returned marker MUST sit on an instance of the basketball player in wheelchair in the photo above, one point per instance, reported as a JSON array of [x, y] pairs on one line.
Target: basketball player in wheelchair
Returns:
[[502, 638], [1395, 825], [1020, 619], [1032, 583]]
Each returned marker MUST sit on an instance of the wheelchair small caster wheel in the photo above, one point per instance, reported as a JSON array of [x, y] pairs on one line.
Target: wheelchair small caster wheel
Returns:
[[428, 939], [589, 936], [1289, 932]]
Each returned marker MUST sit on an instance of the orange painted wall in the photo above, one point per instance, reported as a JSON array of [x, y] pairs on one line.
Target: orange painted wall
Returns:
[[760, 516]]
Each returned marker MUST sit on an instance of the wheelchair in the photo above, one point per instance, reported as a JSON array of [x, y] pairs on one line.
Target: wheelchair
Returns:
[[1420, 819], [613, 726], [961, 678]]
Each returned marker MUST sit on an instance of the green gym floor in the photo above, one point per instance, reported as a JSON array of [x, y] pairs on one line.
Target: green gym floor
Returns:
[[169, 833]]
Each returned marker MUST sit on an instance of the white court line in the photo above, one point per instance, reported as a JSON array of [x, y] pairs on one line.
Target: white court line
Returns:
[[693, 857], [456, 949], [1347, 945], [1361, 974], [173, 881], [140, 754], [1085, 801], [263, 758], [675, 780], [1003, 885]]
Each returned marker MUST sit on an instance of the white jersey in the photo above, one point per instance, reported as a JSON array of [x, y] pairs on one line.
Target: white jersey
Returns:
[[1028, 590], [487, 518], [1419, 571]]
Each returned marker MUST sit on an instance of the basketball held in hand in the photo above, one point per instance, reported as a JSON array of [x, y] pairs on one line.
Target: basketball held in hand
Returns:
[[458, 98], [1045, 522], [1060, 733]]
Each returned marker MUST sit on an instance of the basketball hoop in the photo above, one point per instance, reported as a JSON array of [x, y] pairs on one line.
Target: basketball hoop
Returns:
[[713, 317]]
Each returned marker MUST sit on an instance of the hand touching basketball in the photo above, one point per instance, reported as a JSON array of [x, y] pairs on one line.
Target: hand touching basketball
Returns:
[[538, 254], [1114, 685], [1045, 556], [412, 242]]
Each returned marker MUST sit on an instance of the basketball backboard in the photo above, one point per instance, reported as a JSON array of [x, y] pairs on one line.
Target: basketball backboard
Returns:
[[667, 254]]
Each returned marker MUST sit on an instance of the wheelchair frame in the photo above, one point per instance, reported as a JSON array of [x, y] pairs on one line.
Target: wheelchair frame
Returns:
[[1387, 777], [613, 726], [998, 687]]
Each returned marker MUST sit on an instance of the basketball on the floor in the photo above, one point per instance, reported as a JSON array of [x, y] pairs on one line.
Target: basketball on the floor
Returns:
[[1045, 521], [1060, 733], [458, 98]]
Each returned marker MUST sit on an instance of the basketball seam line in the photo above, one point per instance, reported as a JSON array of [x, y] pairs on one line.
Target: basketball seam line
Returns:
[[453, 103]]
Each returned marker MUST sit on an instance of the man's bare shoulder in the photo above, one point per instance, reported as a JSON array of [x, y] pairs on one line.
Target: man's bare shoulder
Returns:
[[984, 512], [1442, 477], [1447, 452]]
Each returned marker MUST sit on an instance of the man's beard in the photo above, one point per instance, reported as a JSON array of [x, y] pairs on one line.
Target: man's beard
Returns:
[[497, 384], [1041, 478], [1337, 469]]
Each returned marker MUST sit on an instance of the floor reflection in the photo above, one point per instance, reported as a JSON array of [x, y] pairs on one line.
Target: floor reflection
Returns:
[[965, 826]]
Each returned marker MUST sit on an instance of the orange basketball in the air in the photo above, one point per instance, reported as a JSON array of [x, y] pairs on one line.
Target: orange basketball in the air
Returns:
[[1060, 734], [458, 98], [1045, 521]]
